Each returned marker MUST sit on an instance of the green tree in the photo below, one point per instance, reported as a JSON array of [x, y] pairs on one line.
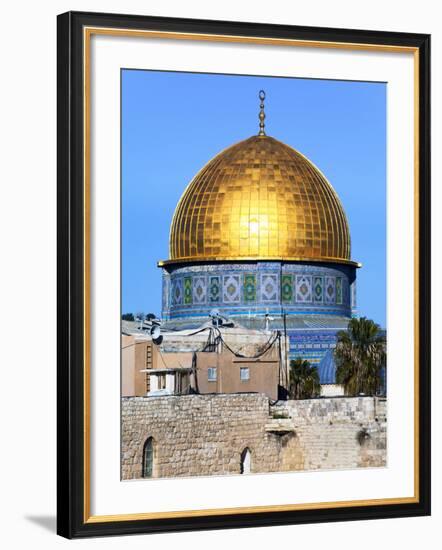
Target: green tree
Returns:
[[128, 317], [304, 380], [360, 357]]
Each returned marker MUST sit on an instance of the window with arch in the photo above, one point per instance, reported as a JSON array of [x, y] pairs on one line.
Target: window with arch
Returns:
[[246, 461], [148, 458]]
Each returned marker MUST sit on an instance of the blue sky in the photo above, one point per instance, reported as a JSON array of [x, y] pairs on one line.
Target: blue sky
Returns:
[[173, 123]]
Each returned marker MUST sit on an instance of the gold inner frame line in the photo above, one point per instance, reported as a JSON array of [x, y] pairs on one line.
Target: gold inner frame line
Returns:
[[87, 34]]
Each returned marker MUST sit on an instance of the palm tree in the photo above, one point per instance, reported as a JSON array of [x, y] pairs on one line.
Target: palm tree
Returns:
[[304, 380], [360, 357]]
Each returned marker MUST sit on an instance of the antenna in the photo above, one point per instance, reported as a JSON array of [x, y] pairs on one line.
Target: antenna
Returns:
[[216, 317], [140, 317], [268, 318]]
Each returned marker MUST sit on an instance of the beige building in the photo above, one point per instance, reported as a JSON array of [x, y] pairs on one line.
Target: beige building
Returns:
[[214, 372], [241, 364], [226, 373], [332, 390], [171, 374], [137, 356]]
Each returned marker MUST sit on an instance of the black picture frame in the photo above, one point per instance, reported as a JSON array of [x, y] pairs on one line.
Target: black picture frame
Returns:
[[72, 393]]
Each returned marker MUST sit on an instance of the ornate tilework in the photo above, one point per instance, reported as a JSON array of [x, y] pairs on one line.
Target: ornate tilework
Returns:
[[269, 287], [199, 290], [214, 289], [187, 290], [165, 294], [249, 287], [303, 288], [339, 290], [353, 296], [177, 292], [254, 288], [318, 287], [330, 293], [287, 288], [231, 289]]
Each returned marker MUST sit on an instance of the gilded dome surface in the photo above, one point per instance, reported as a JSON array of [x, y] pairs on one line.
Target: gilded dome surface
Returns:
[[259, 200]]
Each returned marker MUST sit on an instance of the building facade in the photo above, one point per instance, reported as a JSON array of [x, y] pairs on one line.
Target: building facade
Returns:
[[239, 364], [175, 368]]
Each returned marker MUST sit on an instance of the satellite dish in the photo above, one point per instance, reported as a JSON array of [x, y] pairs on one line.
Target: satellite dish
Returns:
[[155, 332], [157, 337], [157, 341]]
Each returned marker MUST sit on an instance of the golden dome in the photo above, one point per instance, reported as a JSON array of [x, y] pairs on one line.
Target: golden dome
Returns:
[[259, 200]]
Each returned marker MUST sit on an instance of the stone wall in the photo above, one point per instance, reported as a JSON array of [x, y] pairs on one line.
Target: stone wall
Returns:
[[206, 434], [338, 433]]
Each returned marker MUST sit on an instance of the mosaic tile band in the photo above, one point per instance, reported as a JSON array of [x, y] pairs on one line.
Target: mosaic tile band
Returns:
[[237, 289]]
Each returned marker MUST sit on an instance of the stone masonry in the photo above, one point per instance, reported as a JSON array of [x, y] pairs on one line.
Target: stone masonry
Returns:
[[197, 435]]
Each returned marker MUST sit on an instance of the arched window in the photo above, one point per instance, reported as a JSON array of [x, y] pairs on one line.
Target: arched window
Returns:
[[148, 458], [246, 461]]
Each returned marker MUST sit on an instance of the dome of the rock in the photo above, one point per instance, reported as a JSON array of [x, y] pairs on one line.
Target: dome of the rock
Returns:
[[260, 237]]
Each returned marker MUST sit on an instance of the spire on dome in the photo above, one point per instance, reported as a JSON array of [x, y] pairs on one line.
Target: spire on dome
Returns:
[[262, 96]]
